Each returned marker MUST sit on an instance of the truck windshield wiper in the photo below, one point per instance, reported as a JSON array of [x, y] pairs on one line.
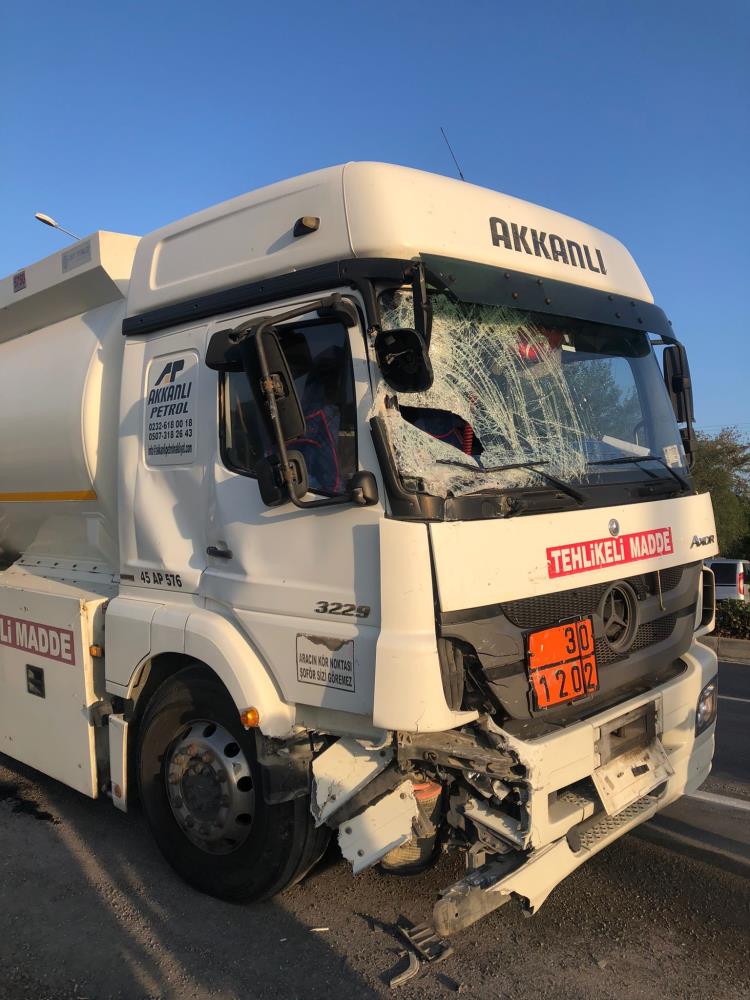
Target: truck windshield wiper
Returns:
[[637, 459], [558, 483]]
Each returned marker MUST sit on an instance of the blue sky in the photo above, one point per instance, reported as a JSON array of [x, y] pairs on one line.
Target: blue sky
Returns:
[[634, 116]]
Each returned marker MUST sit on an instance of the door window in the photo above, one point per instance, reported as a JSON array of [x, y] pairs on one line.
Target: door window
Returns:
[[320, 361]]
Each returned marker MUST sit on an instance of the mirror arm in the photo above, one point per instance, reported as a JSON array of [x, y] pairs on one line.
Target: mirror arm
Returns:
[[269, 392], [421, 301], [329, 303]]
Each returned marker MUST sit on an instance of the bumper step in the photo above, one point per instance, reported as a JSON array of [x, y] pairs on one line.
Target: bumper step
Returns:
[[587, 835]]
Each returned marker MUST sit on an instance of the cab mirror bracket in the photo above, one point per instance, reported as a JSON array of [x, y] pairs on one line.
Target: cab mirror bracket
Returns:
[[363, 489], [680, 391]]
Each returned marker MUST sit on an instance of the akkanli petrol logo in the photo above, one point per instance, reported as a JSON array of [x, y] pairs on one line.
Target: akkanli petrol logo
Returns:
[[582, 557]]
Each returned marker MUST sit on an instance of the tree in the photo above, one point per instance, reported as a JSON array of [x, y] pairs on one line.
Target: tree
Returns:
[[722, 468]]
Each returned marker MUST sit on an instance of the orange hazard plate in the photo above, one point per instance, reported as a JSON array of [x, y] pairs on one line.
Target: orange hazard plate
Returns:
[[562, 663]]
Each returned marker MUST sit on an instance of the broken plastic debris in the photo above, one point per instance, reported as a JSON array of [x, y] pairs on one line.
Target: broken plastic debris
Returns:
[[409, 972]]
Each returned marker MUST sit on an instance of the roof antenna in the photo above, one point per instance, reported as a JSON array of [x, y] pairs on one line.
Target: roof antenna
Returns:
[[452, 153]]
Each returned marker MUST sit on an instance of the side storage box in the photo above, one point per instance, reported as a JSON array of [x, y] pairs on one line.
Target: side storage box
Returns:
[[49, 682]]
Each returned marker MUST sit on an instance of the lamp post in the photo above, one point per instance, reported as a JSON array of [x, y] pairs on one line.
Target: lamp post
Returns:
[[49, 221]]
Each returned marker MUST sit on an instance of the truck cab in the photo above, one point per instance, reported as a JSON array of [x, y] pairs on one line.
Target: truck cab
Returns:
[[392, 536]]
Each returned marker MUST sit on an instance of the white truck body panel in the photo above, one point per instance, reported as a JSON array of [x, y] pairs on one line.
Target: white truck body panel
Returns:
[[365, 210], [488, 562], [50, 681], [75, 280]]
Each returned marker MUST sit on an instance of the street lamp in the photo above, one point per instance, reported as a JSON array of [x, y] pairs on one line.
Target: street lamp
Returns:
[[49, 221]]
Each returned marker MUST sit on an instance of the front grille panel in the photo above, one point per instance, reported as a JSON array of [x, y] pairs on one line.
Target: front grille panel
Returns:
[[496, 635], [670, 578], [548, 609], [536, 612], [648, 634]]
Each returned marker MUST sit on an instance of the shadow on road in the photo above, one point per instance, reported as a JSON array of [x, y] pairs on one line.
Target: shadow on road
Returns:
[[89, 904]]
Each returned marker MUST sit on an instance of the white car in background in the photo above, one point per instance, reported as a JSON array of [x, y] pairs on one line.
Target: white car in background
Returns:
[[732, 579]]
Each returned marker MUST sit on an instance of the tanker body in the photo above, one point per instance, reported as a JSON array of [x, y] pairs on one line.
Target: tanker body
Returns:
[[359, 504], [61, 352]]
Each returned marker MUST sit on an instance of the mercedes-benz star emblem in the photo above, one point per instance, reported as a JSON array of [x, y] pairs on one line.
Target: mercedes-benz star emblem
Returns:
[[614, 527], [619, 611]]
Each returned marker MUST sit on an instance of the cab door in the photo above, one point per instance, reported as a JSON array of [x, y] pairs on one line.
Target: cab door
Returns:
[[304, 585], [166, 444]]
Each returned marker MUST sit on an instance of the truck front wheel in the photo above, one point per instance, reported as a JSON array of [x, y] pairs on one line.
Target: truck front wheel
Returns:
[[201, 787]]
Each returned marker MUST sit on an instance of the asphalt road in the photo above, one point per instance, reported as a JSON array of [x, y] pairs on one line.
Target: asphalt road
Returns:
[[89, 909], [714, 823], [731, 768]]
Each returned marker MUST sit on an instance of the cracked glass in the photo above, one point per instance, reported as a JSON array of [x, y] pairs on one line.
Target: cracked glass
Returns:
[[517, 395]]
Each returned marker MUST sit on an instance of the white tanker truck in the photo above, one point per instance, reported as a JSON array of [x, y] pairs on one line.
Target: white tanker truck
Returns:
[[359, 504]]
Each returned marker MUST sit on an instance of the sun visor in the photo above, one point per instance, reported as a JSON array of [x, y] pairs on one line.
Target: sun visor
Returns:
[[488, 285]]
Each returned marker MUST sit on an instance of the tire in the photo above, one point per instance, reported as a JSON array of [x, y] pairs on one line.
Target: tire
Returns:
[[210, 820]]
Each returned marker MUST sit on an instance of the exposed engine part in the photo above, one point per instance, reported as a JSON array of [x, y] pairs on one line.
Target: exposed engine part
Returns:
[[419, 851], [496, 821], [487, 787], [388, 803], [487, 843], [459, 750]]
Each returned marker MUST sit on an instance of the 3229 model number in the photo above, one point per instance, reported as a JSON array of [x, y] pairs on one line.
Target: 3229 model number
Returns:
[[336, 608]]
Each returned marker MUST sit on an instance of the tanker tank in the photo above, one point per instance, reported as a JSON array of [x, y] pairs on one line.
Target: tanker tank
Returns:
[[61, 349]]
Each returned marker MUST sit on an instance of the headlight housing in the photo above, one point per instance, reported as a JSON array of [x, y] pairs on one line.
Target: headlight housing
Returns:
[[708, 703]]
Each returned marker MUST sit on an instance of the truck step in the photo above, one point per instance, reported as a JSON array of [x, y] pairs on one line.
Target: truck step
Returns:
[[587, 835]]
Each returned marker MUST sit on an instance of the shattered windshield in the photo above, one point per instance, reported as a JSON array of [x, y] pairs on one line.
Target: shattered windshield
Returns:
[[522, 399]]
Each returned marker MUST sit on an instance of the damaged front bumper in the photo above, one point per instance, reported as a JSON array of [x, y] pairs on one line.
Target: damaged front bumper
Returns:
[[567, 823], [527, 812]]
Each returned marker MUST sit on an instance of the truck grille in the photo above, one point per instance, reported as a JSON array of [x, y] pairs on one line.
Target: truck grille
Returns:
[[648, 634], [536, 612]]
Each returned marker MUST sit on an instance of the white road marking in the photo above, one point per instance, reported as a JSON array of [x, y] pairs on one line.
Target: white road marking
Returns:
[[731, 697], [726, 801]]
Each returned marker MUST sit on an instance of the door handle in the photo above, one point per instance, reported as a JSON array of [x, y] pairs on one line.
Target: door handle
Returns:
[[218, 553]]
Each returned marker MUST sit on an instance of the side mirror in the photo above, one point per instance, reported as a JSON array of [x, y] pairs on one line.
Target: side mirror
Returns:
[[404, 361], [680, 390], [291, 418], [363, 489], [273, 489], [677, 381]]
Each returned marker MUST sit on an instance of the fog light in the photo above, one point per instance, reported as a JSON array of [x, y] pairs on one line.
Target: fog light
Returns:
[[705, 712]]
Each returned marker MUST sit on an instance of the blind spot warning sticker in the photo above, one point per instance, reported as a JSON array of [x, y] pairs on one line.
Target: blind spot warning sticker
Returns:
[[325, 662]]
